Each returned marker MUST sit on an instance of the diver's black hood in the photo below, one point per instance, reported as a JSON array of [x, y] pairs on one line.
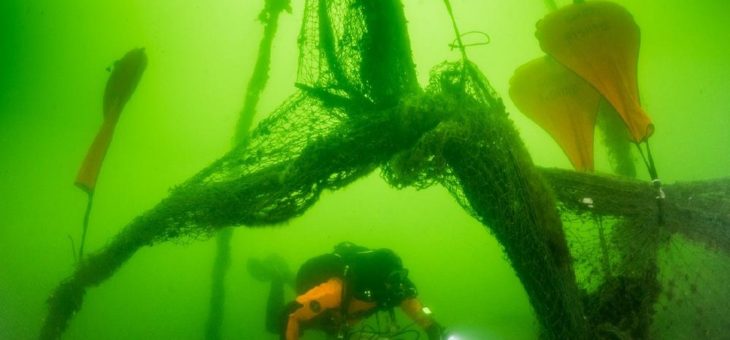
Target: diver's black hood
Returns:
[[378, 276]]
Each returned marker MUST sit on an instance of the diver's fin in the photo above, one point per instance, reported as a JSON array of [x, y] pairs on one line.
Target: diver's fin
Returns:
[[273, 267]]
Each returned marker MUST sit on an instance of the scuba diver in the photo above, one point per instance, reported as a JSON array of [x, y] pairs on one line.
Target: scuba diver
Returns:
[[337, 290]]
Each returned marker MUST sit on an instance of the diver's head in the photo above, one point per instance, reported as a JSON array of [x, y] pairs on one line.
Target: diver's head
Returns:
[[378, 275], [398, 288]]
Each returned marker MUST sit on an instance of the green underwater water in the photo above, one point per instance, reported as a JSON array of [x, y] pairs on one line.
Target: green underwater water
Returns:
[[53, 56]]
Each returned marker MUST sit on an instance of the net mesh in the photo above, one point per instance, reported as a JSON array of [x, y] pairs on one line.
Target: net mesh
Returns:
[[589, 252], [642, 279]]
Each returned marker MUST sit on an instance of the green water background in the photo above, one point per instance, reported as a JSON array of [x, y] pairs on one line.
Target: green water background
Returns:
[[53, 56]]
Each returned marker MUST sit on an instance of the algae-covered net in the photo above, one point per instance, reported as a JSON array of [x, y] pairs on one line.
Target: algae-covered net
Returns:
[[358, 108], [641, 278]]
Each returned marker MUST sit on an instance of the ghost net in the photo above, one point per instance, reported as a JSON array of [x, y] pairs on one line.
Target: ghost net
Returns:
[[358, 108]]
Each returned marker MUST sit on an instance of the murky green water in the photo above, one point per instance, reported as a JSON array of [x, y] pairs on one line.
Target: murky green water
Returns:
[[53, 56]]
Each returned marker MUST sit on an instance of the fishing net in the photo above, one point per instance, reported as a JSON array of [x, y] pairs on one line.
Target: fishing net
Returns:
[[358, 108], [644, 279]]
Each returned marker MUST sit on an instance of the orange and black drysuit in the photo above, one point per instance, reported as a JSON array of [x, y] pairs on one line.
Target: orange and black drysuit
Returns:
[[323, 305], [338, 290]]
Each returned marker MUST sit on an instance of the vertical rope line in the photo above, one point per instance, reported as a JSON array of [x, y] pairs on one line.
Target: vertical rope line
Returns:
[[656, 182], [269, 17], [86, 225], [456, 30], [459, 42]]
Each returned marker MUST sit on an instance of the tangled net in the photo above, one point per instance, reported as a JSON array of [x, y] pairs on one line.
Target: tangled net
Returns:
[[641, 279], [608, 273]]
